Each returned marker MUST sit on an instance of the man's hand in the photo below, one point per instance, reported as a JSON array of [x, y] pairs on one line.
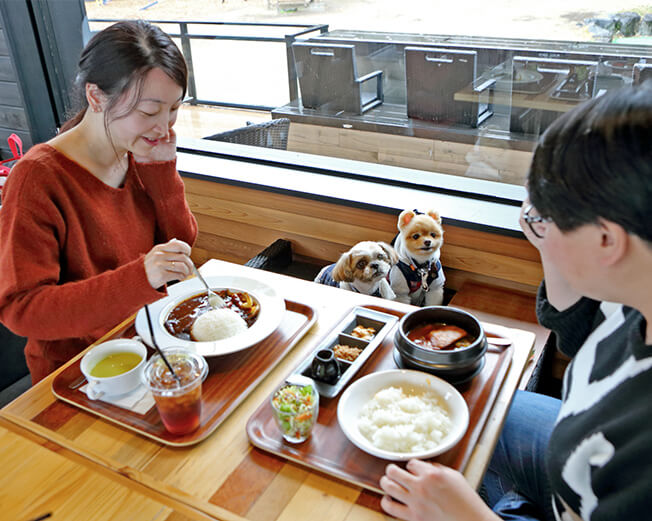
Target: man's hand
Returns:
[[431, 492]]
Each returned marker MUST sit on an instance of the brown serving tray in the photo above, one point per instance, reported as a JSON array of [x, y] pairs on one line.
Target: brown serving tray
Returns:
[[230, 380], [330, 451]]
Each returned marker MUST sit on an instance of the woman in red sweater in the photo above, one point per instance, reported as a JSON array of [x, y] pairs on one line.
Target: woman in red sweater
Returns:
[[94, 222]]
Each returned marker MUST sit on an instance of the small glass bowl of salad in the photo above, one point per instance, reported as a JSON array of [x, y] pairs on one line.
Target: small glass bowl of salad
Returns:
[[296, 407]]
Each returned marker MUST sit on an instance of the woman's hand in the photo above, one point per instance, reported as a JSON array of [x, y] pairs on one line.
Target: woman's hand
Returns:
[[167, 262], [166, 150], [426, 492]]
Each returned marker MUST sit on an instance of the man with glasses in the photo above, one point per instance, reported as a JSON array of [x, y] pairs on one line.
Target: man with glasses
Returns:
[[586, 456]]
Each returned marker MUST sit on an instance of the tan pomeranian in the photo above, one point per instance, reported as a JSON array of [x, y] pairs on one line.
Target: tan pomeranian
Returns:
[[418, 277], [364, 269]]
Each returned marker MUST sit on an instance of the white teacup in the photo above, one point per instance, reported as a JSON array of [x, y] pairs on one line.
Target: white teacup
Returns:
[[113, 385]]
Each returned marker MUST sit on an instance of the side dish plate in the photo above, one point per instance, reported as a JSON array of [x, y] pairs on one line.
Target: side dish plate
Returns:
[[382, 323], [272, 307]]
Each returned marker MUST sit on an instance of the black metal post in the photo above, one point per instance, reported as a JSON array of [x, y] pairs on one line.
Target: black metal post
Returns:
[[292, 71], [187, 53], [186, 37]]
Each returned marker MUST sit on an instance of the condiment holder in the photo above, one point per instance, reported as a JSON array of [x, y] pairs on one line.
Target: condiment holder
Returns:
[[320, 366]]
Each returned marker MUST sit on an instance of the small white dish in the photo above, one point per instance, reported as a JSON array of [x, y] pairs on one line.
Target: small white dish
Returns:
[[272, 307], [113, 385], [364, 389]]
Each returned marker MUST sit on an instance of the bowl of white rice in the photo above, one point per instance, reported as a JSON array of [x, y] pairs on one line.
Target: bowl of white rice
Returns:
[[214, 332], [218, 324], [402, 414]]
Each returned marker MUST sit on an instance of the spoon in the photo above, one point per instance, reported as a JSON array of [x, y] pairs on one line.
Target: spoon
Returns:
[[499, 341], [214, 299]]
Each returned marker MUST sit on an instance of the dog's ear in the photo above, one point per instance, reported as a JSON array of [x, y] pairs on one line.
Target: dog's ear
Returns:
[[405, 218], [435, 215], [391, 252], [342, 271]]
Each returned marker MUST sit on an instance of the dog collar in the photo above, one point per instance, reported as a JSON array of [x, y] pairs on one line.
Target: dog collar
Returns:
[[415, 266]]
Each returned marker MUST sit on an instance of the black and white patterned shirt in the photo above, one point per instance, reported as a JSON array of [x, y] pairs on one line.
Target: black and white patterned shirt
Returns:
[[599, 457]]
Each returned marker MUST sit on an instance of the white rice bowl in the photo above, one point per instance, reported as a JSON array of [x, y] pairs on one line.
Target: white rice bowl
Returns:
[[405, 411], [398, 420], [217, 324]]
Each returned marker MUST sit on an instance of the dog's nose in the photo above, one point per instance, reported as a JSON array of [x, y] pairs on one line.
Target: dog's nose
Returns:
[[426, 243], [374, 265]]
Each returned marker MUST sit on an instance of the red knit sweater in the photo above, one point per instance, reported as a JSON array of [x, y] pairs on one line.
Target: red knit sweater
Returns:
[[72, 250]]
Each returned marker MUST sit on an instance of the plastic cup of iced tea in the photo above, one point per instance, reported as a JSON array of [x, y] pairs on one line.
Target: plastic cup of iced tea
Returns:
[[178, 402]]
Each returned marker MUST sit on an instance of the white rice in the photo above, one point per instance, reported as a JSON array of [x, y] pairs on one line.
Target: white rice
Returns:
[[397, 420], [217, 324]]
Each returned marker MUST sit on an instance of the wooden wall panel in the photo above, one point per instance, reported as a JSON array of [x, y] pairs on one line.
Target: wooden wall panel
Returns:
[[9, 94], [236, 223], [4, 50], [475, 160], [6, 70], [289, 204], [285, 222], [12, 117]]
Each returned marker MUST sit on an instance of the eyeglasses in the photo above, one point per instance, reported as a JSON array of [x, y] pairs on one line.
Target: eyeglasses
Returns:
[[536, 223]]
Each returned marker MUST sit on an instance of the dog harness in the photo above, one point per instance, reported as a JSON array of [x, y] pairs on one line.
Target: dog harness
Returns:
[[326, 278], [421, 276]]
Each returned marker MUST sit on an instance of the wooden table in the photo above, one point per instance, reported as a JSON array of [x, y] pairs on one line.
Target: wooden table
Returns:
[[224, 477], [37, 482]]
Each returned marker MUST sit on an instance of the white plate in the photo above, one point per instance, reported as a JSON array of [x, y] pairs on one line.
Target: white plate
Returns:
[[270, 315], [363, 390]]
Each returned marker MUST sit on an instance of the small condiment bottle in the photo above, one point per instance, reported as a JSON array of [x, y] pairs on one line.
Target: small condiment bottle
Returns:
[[325, 366]]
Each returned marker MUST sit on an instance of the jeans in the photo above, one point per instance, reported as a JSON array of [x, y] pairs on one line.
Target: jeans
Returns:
[[516, 485]]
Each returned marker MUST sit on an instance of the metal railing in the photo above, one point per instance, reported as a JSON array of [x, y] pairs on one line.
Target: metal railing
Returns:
[[186, 37]]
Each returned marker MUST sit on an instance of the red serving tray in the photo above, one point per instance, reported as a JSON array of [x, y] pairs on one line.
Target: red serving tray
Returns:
[[329, 450], [230, 380]]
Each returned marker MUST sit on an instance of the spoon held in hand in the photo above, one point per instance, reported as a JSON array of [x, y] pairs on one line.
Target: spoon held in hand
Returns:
[[214, 299]]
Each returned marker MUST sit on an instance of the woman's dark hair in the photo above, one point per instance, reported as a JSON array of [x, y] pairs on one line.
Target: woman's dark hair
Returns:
[[595, 162], [119, 57]]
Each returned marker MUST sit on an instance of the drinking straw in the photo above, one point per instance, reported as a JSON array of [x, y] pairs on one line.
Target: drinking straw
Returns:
[[158, 349]]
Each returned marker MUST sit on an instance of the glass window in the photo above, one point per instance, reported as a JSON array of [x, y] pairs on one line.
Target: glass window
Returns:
[[459, 88]]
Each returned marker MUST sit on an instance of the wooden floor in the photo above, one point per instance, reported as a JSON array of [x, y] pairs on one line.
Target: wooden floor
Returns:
[[199, 121]]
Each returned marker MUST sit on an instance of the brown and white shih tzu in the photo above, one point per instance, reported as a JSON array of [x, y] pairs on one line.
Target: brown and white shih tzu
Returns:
[[363, 269], [418, 277]]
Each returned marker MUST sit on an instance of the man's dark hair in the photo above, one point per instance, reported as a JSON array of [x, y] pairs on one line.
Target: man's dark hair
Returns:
[[595, 161]]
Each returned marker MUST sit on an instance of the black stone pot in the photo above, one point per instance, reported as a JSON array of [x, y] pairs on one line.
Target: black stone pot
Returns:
[[454, 365]]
